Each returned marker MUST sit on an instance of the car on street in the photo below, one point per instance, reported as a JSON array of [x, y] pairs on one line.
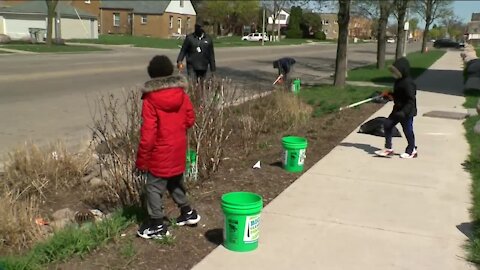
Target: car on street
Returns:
[[390, 40], [255, 37], [446, 43]]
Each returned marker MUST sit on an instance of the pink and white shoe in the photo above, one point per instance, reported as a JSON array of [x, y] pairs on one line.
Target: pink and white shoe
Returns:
[[414, 154], [384, 152]]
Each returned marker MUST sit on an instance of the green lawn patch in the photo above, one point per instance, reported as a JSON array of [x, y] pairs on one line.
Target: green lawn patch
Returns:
[[150, 42], [42, 48], [473, 166], [327, 99], [71, 241], [418, 63]]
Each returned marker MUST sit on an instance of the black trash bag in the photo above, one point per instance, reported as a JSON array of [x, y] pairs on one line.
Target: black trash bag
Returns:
[[375, 127]]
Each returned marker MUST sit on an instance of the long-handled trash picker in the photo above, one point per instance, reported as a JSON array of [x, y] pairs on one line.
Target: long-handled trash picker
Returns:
[[361, 102], [278, 79]]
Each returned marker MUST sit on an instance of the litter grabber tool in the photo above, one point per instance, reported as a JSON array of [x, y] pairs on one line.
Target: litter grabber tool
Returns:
[[278, 79], [386, 95]]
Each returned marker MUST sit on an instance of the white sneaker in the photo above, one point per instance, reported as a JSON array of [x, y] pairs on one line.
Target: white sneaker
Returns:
[[384, 152], [414, 154]]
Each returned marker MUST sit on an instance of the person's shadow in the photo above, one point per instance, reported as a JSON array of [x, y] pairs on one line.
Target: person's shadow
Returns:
[[365, 147]]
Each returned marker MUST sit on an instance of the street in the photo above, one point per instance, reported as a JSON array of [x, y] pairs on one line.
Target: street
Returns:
[[45, 97]]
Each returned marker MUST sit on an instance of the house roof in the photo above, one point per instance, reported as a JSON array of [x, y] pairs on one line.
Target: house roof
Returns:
[[473, 27], [475, 17], [138, 6], [40, 8]]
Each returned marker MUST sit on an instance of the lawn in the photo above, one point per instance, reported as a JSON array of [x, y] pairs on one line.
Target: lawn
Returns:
[[418, 62], [42, 48], [327, 99], [473, 166], [234, 41]]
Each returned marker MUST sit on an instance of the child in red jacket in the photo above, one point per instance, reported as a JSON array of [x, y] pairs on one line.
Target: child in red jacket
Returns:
[[167, 113]]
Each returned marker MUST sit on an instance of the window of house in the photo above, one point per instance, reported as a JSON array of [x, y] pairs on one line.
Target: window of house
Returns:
[[335, 21], [116, 19], [179, 23], [144, 19], [188, 22], [181, 3], [171, 22], [88, 1], [325, 31], [282, 17]]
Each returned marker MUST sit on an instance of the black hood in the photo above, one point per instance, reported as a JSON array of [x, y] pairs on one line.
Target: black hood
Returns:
[[402, 66]]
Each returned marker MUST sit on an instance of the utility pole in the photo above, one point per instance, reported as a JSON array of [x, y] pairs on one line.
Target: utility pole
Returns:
[[263, 27], [58, 30], [405, 28]]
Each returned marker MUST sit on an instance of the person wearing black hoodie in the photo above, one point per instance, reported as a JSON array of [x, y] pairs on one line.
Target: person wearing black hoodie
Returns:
[[198, 49], [404, 108]]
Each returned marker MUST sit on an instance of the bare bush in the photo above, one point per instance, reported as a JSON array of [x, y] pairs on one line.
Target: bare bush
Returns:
[[17, 226], [212, 100], [116, 134], [279, 111], [33, 170]]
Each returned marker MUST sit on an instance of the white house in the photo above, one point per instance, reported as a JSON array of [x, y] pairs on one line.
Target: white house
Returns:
[[282, 17], [15, 21]]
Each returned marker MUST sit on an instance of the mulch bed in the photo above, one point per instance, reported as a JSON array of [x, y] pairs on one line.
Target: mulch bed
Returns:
[[192, 244]]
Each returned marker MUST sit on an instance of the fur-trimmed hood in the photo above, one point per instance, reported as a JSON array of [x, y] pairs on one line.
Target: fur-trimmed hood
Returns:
[[166, 93], [157, 84]]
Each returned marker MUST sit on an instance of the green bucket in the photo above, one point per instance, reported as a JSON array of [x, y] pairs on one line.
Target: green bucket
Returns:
[[191, 168], [242, 220], [296, 86], [294, 153]]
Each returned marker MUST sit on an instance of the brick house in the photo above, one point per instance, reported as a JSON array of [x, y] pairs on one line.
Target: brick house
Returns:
[[330, 25], [360, 27], [154, 18], [473, 29]]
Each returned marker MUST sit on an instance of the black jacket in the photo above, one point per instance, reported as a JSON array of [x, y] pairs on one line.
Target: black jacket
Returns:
[[404, 91], [198, 59], [284, 65]]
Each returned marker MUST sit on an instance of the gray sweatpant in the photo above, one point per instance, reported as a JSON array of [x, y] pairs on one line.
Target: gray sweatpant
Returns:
[[155, 188]]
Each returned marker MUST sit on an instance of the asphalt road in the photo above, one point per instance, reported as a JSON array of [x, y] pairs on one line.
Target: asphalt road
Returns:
[[45, 97]]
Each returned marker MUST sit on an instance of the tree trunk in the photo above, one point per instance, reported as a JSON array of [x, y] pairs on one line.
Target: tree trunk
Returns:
[[401, 10], [425, 37], [341, 61], [51, 7], [382, 34], [428, 21]]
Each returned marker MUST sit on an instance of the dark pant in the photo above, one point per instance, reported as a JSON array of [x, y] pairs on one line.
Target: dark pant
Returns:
[[407, 125], [196, 74], [155, 188]]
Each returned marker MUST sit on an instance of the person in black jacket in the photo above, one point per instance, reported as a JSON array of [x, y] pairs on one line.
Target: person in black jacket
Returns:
[[284, 66], [404, 108], [198, 49]]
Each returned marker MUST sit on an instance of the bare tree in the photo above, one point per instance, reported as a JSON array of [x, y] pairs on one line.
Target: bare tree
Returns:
[[341, 61], [385, 8], [401, 7], [379, 10], [51, 7], [430, 10]]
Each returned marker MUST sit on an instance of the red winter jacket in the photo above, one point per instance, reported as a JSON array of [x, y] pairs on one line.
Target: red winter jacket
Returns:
[[167, 113]]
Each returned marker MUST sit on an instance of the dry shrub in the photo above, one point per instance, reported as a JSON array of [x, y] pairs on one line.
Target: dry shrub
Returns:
[[279, 111], [211, 99], [17, 225], [31, 170], [116, 131]]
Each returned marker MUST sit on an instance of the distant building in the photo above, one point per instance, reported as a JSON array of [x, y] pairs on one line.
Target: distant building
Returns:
[[18, 18], [473, 29], [282, 18], [360, 27], [330, 25]]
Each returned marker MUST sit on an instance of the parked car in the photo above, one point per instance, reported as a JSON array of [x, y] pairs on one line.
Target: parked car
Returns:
[[255, 37], [391, 40], [446, 43]]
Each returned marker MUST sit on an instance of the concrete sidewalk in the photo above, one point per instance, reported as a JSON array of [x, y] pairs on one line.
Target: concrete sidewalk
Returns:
[[355, 211]]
